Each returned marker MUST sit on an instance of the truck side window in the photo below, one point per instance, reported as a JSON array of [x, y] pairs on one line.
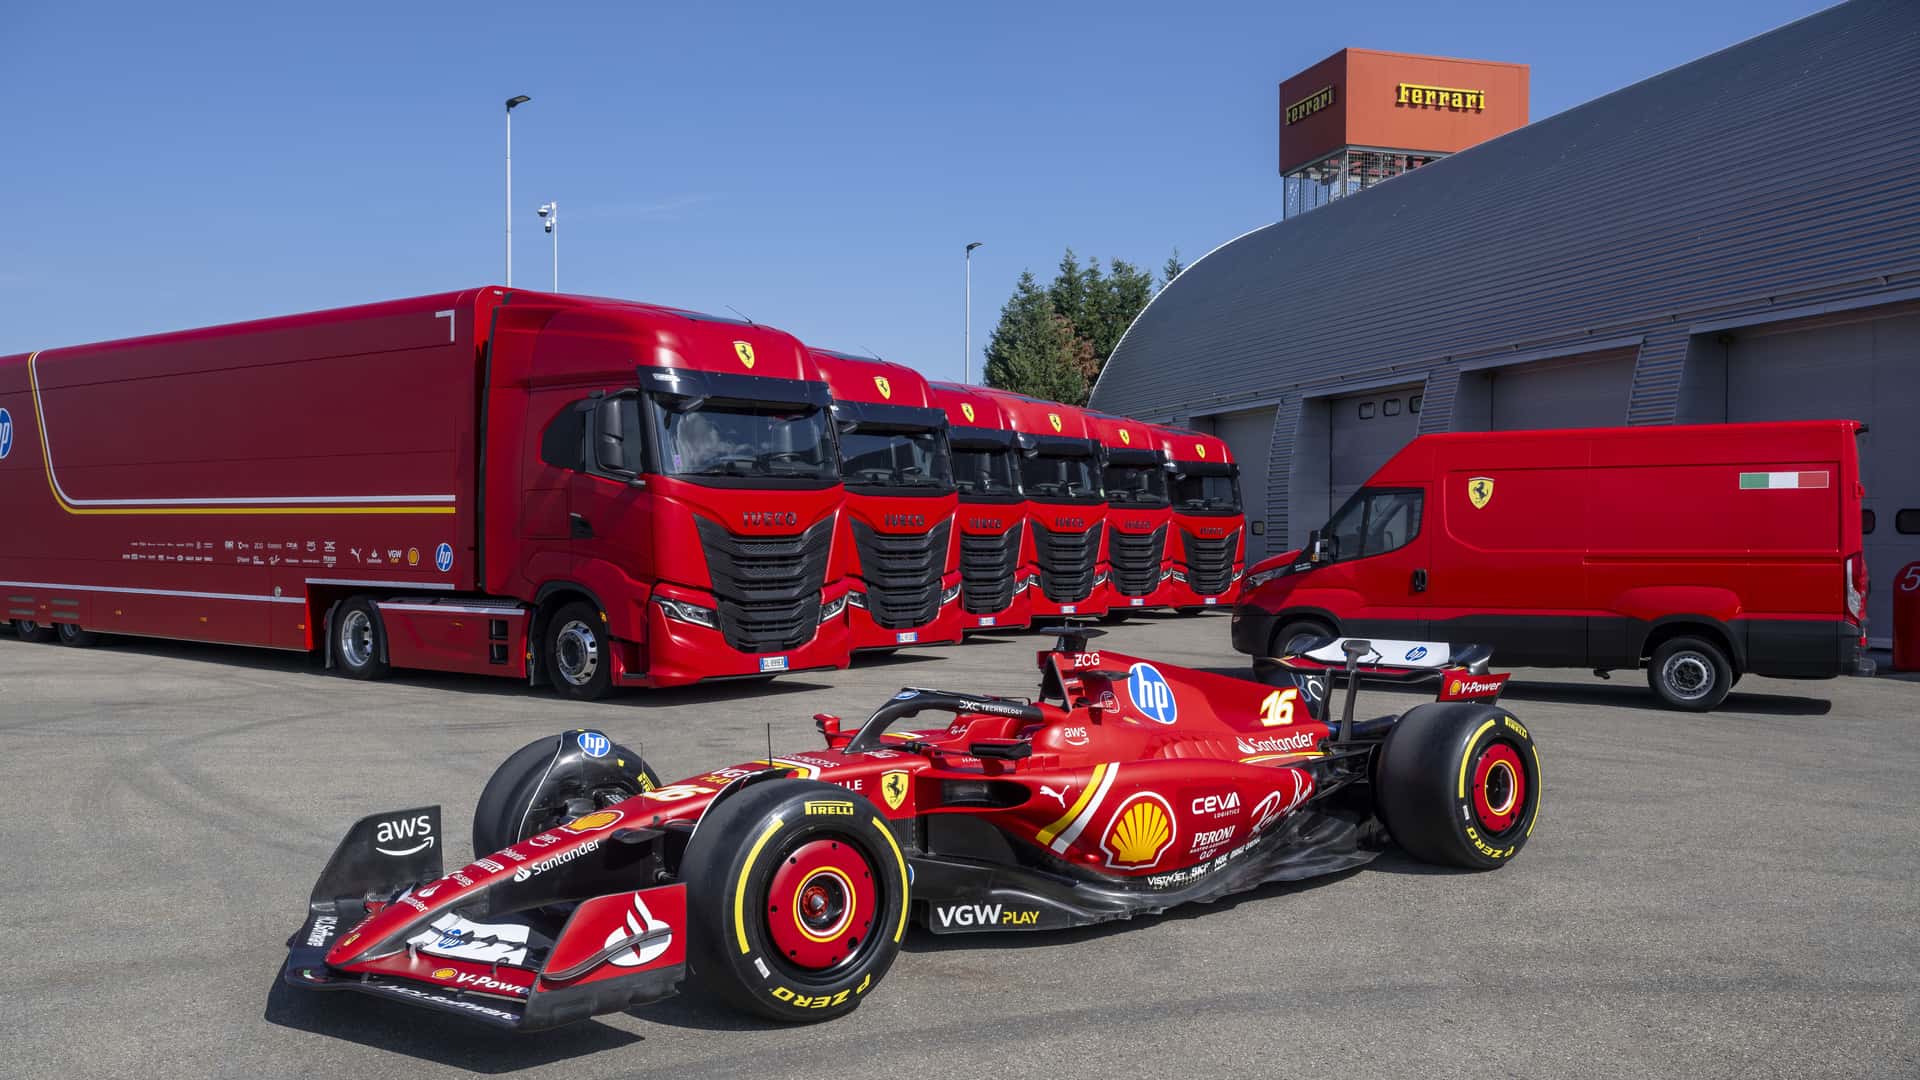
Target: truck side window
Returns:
[[561, 443]]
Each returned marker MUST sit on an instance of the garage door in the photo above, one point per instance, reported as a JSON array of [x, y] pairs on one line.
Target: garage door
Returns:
[[1249, 437], [1366, 430], [1867, 370], [1586, 392]]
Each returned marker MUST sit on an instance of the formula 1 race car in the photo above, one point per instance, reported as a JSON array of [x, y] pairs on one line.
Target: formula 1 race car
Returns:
[[784, 885]]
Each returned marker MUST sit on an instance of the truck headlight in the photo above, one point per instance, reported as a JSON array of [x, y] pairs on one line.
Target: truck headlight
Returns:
[[857, 599], [1100, 578], [1165, 574], [831, 609], [1180, 576], [681, 611], [1021, 582], [948, 596]]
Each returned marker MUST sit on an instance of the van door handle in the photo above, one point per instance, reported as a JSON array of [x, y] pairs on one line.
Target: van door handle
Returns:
[[581, 530], [1420, 580]]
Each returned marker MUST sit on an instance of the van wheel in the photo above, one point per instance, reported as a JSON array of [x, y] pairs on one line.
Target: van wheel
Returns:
[[1299, 631], [579, 660], [71, 634], [1690, 673], [32, 631], [359, 641]]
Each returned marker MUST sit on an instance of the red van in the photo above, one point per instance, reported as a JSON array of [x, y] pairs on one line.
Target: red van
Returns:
[[1703, 553], [996, 547]]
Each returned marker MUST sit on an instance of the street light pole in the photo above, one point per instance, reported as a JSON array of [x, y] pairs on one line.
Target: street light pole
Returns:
[[550, 220], [966, 362], [518, 99]]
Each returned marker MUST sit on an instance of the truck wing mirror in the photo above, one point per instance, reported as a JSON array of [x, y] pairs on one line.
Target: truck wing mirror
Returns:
[[610, 437]]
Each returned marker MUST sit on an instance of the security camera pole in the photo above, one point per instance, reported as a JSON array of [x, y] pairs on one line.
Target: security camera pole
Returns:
[[518, 99], [550, 220], [966, 362]]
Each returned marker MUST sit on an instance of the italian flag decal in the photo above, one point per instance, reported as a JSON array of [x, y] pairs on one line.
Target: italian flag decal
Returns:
[[1773, 481]]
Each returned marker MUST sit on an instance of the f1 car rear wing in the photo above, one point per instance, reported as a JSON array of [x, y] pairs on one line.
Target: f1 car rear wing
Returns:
[[1401, 661]]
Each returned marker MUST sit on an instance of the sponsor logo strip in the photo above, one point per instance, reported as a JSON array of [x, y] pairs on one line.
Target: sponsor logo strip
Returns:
[[1063, 832]]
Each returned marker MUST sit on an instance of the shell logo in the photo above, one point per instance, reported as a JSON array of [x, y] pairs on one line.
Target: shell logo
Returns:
[[1054, 419], [966, 410], [1140, 832], [1126, 437], [599, 819], [413, 556], [881, 384], [1201, 449], [744, 350], [444, 973]]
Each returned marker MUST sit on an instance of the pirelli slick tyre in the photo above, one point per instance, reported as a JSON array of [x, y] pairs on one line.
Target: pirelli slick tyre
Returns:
[[1458, 784], [797, 896], [552, 780]]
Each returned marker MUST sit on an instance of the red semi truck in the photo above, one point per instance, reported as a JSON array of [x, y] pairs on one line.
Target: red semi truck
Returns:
[[1134, 475], [900, 501], [583, 492], [1208, 535], [1066, 507], [1702, 553], [996, 547]]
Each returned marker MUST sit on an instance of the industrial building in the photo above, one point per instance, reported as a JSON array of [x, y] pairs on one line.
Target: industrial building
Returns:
[[1736, 239]]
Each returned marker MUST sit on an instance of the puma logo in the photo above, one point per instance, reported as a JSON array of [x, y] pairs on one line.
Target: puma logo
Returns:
[[1058, 796]]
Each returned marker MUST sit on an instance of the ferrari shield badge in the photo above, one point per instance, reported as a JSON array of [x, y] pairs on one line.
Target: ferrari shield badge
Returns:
[[966, 410], [1054, 419], [1201, 449], [881, 384], [1480, 491], [744, 350], [893, 788], [1126, 437]]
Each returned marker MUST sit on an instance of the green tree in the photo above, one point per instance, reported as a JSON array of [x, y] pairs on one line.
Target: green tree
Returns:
[[1172, 269], [1033, 350]]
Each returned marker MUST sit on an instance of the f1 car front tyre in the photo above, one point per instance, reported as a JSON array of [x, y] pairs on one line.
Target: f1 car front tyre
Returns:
[[1690, 673], [797, 892], [553, 780], [1459, 784]]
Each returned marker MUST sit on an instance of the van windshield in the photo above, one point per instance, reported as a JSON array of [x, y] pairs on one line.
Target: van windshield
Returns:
[[881, 457], [744, 439], [1374, 521], [984, 471]]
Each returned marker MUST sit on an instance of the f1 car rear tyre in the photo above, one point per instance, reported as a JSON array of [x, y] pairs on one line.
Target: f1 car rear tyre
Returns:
[[579, 661], [1458, 784], [1690, 673], [797, 896], [359, 641], [71, 634], [553, 780], [30, 630]]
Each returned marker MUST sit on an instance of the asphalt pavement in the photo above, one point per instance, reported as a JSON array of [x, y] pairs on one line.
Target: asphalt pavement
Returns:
[[1728, 895]]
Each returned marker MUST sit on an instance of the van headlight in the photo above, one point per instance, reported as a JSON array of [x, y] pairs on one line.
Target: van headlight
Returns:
[[1261, 577], [681, 611], [948, 596], [831, 609]]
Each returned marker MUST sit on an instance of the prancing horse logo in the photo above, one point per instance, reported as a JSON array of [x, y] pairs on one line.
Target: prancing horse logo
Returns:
[[893, 786], [881, 384], [744, 350], [1480, 491]]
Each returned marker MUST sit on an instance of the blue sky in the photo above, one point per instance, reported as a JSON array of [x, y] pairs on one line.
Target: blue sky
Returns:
[[817, 166]]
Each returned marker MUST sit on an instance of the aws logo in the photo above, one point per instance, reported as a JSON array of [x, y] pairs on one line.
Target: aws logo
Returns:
[[881, 384], [966, 410], [1140, 832], [1054, 419], [744, 350]]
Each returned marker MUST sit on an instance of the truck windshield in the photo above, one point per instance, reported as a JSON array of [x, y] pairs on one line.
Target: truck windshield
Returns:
[[742, 439], [1209, 492], [1060, 475], [909, 458], [984, 471], [1136, 485]]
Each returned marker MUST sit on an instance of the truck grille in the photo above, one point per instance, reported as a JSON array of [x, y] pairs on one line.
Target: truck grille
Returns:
[[768, 587], [987, 567], [1136, 560], [1210, 561], [902, 573], [1066, 562]]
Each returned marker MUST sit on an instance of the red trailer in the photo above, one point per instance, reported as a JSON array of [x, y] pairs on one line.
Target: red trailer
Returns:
[[1066, 508], [578, 491], [996, 547], [1701, 553], [1208, 536], [900, 501], [1135, 478]]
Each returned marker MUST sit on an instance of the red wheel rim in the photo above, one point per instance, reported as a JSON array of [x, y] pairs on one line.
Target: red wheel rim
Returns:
[[1499, 788], [821, 904]]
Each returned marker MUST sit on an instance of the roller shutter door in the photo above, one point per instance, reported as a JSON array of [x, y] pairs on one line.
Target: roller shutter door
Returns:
[[1249, 437], [1589, 392], [1866, 370], [1365, 430]]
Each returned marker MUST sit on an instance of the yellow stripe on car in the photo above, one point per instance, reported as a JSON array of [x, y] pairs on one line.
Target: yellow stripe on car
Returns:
[[1047, 834], [1467, 758], [740, 892], [906, 884]]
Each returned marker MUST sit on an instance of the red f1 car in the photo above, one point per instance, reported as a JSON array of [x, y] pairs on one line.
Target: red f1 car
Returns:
[[785, 885]]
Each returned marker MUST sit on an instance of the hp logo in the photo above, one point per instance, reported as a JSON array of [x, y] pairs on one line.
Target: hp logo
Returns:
[[593, 744], [6, 433], [1151, 694], [443, 557]]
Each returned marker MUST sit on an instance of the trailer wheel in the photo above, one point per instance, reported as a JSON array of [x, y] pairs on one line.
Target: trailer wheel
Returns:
[[359, 641], [1690, 673], [32, 631], [71, 634], [578, 658]]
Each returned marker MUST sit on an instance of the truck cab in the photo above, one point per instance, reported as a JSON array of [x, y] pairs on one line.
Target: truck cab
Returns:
[[1208, 533], [1135, 472], [1066, 506], [897, 470], [996, 547]]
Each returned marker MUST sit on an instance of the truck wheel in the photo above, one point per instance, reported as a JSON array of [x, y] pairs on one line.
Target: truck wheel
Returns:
[[579, 663], [797, 892], [1690, 673], [1458, 784], [359, 641], [552, 780], [1301, 631], [71, 634], [32, 631]]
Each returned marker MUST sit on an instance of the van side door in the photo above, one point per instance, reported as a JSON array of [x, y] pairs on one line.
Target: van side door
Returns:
[[1377, 579]]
